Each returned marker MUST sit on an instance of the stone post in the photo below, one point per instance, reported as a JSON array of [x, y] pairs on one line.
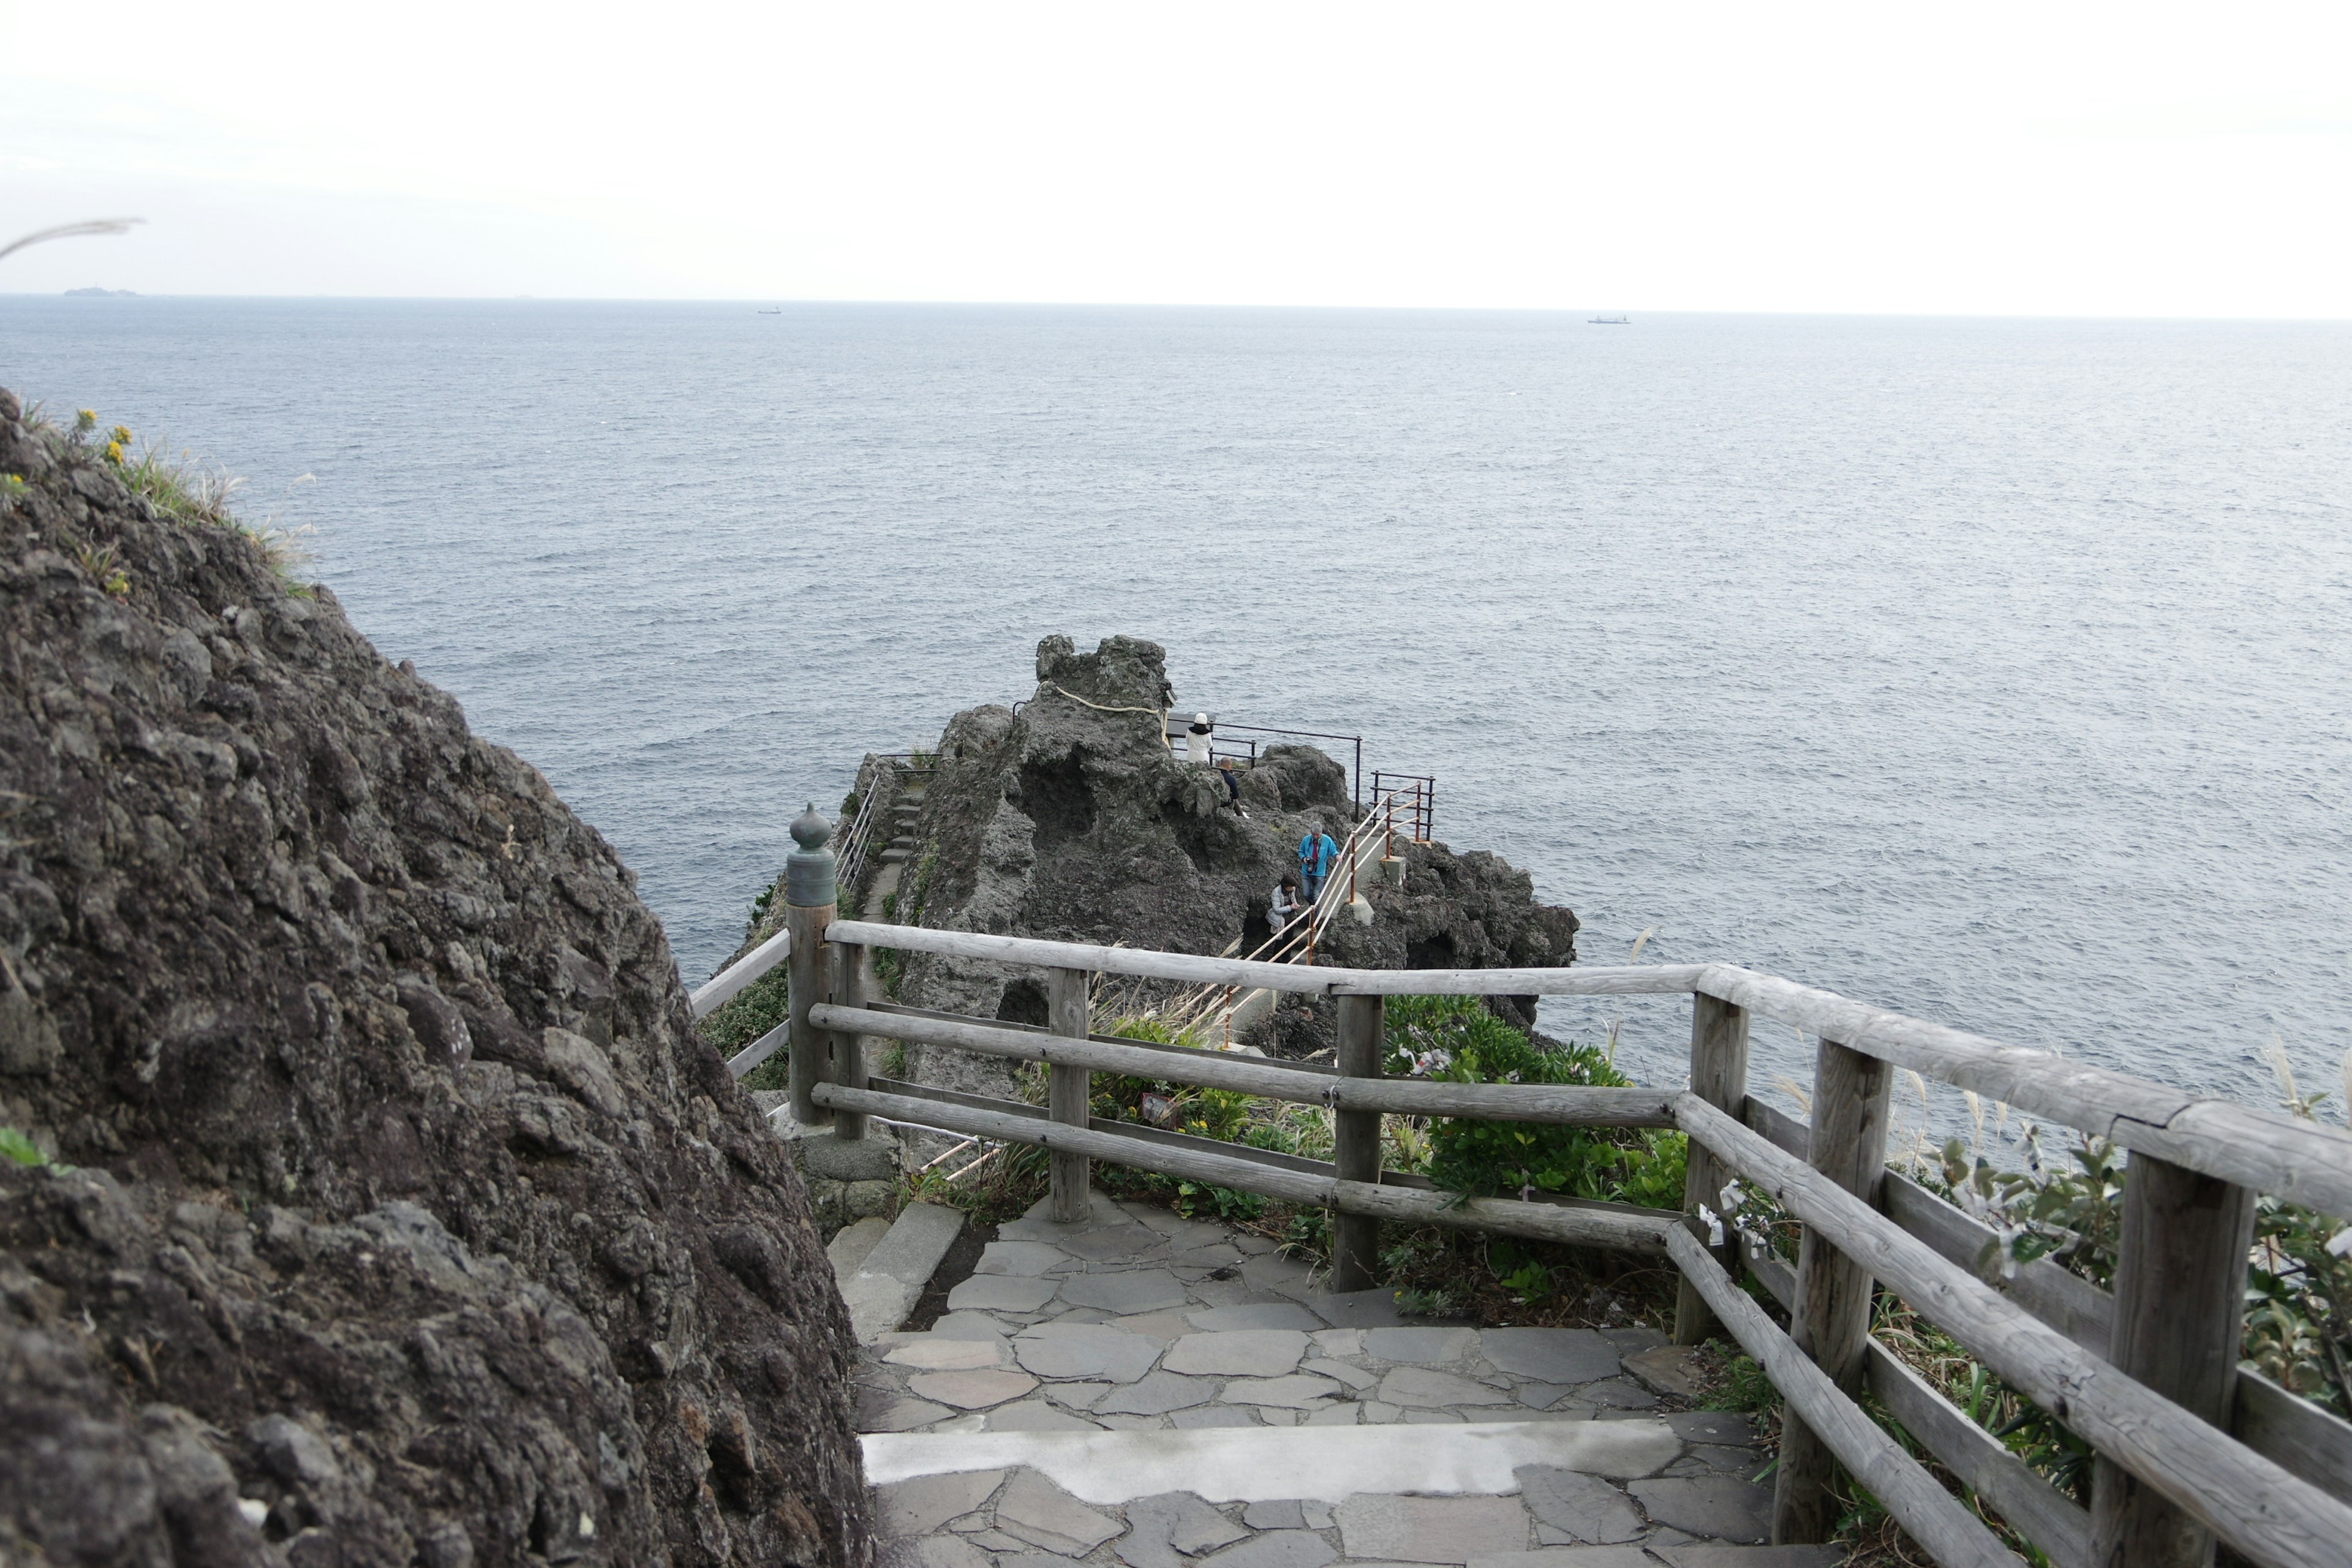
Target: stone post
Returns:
[[809, 909]]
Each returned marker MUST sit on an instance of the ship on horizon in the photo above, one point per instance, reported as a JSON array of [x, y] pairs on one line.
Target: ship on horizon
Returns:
[[1610, 321]]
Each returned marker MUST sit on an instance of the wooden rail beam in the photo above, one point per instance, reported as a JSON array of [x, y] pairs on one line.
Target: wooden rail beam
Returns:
[[2256, 1506], [1570, 1104], [1600, 980], [1624, 979], [1640, 1234], [721, 987], [2300, 1161], [1937, 1520]]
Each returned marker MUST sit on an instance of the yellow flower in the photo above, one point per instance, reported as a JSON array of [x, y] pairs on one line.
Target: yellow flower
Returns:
[[115, 451], [122, 434], [86, 419]]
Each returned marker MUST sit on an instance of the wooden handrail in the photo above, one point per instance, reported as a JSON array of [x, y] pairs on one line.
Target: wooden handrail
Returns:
[[1568, 1104], [1936, 1519], [2291, 1158], [723, 985], [1633, 980], [1509, 1217], [2296, 1160], [2250, 1502], [2048, 1338], [2276, 1513]]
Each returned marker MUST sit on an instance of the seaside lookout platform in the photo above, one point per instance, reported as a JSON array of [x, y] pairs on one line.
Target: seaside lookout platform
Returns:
[[2192, 1447]]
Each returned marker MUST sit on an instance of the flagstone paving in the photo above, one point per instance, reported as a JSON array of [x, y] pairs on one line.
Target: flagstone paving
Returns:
[[1146, 1329]]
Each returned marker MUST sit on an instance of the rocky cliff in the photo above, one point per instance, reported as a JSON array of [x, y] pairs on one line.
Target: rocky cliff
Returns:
[[1071, 819], [373, 1199]]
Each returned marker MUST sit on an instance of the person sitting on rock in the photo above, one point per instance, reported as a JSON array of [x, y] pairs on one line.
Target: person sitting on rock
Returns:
[[1233, 786], [1284, 906], [1316, 853]]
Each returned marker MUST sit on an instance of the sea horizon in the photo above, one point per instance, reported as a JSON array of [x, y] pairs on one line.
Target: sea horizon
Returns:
[[1975, 667]]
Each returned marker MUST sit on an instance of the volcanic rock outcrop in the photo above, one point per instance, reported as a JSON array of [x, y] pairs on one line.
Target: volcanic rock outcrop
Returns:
[[393, 1213], [1071, 819]]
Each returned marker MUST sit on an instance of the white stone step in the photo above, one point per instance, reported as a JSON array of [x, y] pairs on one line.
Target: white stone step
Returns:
[[850, 1247], [890, 1280], [1252, 1463]]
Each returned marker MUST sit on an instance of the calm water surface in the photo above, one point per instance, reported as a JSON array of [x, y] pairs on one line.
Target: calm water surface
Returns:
[[1996, 671]]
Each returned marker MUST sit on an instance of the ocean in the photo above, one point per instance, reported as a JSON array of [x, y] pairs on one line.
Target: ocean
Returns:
[[1996, 671]]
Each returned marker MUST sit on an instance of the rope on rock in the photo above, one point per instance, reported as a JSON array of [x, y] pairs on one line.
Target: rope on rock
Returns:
[[1159, 713]]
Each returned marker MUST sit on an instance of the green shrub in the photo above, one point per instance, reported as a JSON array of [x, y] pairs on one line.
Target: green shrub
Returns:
[[1224, 1115], [1457, 1039], [2299, 1300], [748, 1014]]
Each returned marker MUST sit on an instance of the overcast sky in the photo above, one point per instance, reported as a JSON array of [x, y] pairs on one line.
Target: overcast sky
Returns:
[[2076, 158]]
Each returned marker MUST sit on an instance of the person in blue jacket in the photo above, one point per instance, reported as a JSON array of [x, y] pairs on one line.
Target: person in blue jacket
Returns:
[[1316, 853]]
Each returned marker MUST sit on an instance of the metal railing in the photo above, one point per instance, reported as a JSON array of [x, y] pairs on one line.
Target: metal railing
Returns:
[[1411, 800], [857, 842], [1176, 728], [1208, 1010], [2191, 1445]]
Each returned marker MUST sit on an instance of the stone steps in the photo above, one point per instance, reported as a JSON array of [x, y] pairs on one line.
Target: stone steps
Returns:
[[891, 1272], [1261, 1464], [1503, 1495], [1140, 1376], [850, 1246]]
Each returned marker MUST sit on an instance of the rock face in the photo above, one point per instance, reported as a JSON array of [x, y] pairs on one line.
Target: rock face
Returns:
[[399, 1216], [1072, 820]]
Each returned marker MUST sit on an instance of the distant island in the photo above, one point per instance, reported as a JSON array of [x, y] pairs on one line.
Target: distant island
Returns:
[[102, 293]]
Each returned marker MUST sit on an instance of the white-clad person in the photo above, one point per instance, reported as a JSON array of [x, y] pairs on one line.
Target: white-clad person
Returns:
[[1196, 739]]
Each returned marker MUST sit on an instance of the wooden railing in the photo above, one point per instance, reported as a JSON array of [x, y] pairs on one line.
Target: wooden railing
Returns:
[[2190, 1445]]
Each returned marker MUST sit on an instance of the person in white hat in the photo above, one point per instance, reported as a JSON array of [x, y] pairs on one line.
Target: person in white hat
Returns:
[[1196, 739]]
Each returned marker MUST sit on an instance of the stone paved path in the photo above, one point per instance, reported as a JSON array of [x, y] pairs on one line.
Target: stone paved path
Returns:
[[1102, 1392]]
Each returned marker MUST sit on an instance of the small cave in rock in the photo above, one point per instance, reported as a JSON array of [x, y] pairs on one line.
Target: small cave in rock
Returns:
[[1433, 951], [1255, 930], [1024, 1002], [1054, 794]]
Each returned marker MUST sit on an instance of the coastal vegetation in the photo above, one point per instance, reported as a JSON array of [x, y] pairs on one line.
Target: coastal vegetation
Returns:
[[179, 488]]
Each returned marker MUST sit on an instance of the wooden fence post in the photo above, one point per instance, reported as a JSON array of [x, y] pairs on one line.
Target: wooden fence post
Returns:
[[848, 1046], [1719, 1075], [1069, 1092], [809, 900], [2181, 1286], [1830, 1318], [1356, 1141]]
